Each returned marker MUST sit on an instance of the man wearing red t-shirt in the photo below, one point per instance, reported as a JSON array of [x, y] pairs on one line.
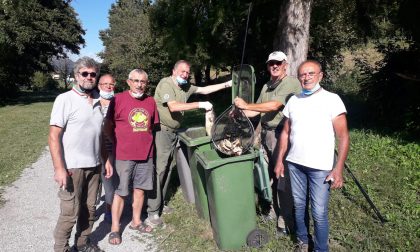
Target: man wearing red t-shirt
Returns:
[[130, 121]]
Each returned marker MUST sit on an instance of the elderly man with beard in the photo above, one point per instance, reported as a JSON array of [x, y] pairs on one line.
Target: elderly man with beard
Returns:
[[74, 141], [131, 119], [270, 104]]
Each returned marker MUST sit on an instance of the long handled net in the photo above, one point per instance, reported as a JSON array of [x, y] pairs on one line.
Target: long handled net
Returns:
[[232, 132]]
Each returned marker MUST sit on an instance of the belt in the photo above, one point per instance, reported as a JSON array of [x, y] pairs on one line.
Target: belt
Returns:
[[267, 128], [164, 127]]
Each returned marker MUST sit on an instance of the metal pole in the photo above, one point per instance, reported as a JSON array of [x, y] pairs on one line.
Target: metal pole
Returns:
[[381, 218], [244, 46]]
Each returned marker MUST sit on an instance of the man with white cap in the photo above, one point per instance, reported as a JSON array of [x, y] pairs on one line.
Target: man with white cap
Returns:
[[270, 104]]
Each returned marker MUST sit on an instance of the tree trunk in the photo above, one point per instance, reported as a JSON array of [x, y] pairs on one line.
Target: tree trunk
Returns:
[[207, 74], [292, 36]]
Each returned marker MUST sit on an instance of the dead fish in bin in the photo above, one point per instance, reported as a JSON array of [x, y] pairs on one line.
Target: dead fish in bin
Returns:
[[209, 121], [231, 148]]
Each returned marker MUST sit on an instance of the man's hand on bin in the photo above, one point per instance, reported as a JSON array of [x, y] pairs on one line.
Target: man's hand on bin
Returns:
[[205, 105]]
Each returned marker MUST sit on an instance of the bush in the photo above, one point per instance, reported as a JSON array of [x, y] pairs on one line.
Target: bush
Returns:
[[43, 81]]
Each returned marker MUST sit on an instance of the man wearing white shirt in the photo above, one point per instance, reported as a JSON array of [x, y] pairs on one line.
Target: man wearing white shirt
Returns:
[[315, 118]]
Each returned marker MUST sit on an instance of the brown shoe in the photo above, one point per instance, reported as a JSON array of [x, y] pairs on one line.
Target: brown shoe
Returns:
[[301, 247]]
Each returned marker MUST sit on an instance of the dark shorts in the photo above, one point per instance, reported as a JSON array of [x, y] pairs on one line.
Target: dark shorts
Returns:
[[139, 173]]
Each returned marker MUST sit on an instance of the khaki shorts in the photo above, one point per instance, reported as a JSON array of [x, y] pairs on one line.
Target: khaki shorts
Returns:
[[139, 174]]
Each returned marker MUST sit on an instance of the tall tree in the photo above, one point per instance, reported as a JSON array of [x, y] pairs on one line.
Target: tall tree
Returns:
[[31, 32], [292, 35], [130, 42]]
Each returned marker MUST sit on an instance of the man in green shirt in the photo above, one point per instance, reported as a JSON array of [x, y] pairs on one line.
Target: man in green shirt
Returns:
[[273, 97], [171, 96]]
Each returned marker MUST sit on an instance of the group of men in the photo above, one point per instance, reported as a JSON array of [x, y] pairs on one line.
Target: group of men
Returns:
[[94, 133]]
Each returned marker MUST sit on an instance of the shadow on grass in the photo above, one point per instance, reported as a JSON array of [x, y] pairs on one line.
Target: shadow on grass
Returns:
[[29, 97], [361, 115]]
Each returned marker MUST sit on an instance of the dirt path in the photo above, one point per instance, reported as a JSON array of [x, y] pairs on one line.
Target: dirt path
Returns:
[[28, 217]]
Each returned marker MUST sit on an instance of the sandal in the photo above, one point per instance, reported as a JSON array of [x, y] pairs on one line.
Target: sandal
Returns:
[[114, 236], [142, 228]]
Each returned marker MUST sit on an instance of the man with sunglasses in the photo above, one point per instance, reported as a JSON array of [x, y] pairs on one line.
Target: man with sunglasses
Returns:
[[314, 119], [274, 95], [74, 141], [171, 95], [131, 120]]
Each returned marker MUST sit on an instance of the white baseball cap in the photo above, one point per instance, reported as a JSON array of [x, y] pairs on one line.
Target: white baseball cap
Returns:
[[277, 56]]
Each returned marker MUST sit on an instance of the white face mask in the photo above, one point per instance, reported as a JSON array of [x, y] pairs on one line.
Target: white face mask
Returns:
[[136, 95], [106, 95]]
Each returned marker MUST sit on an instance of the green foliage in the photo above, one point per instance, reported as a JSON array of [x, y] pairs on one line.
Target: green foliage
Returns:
[[370, 51], [392, 101], [30, 33], [130, 42], [211, 33], [43, 81]]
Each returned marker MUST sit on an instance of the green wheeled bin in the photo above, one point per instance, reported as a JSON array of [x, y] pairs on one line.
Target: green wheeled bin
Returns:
[[196, 139], [230, 190]]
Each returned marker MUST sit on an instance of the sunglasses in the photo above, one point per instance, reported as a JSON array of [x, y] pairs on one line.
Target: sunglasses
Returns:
[[85, 74], [274, 62]]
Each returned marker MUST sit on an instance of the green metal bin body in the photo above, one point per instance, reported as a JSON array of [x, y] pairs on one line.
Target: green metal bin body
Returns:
[[196, 139], [230, 190]]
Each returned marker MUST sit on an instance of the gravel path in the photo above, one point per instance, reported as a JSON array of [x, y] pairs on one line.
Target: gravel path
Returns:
[[28, 217]]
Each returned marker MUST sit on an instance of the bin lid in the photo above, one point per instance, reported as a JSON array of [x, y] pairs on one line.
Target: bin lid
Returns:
[[194, 136], [246, 87], [211, 159]]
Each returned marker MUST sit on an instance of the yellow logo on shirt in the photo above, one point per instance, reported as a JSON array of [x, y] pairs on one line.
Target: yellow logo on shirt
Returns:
[[138, 119]]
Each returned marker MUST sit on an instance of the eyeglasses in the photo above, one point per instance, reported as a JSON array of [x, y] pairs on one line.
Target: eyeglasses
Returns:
[[107, 84], [274, 62], [310, 74], [85, 74], [139, 81]]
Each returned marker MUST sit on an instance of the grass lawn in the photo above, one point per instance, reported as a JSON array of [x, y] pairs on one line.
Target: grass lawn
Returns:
[[23, 133], [388, 169]]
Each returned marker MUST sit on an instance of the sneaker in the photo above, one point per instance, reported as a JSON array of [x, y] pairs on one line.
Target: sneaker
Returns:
[[89, 248], [167, 210], [301, 247], [270, 217], [281, 227], [281, 232], [154, 221]]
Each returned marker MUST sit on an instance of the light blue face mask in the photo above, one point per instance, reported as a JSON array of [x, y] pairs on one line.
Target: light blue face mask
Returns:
[[106, 95], [313, 90], [181, 81]]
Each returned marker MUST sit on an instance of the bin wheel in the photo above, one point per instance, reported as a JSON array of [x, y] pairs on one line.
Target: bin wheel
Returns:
[[257, 238]]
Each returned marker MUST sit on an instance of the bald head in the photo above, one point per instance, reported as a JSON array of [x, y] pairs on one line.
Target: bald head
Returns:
[[310, 74], [106, 83], [315, 63]]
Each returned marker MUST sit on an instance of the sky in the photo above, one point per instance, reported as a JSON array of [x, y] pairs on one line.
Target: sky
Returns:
[[93, 14]]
